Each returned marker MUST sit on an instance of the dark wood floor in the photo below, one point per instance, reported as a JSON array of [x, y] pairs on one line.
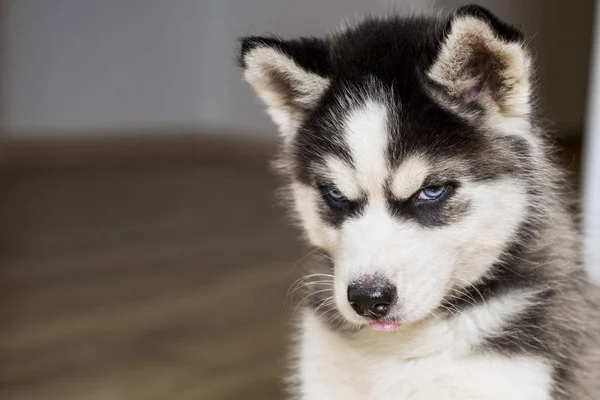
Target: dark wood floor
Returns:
[[146, 281], [143, 282]]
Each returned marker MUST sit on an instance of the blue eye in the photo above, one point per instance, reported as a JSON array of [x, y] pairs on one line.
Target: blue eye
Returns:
[[433, 192], [335, 195]]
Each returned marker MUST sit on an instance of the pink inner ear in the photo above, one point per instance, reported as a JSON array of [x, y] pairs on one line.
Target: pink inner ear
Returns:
[[470, 95], [478, 72]]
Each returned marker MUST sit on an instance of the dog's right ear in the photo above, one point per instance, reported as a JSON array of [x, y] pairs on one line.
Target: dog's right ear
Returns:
[[289, 76]]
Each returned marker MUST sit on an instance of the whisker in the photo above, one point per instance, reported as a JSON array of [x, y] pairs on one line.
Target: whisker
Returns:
[[326, 303], [474, 288], [307, 297], [309, 276], [290, 293], [302, 259]]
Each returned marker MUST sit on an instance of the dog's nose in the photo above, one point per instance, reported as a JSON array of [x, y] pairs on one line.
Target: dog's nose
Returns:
[[373, 300]]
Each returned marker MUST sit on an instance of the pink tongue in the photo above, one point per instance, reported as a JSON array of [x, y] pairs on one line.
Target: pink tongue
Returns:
[[384, 326]]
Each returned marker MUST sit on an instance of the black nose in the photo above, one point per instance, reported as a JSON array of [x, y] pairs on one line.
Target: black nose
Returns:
[[372, 300]]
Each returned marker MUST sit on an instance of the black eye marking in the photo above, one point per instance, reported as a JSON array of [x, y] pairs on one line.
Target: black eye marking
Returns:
[[429, 206], [338, 207]]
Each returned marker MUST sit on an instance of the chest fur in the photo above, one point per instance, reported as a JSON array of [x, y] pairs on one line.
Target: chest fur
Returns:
[[434, 363]]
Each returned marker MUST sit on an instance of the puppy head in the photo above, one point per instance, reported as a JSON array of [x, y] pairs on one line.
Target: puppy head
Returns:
[[405, 141]]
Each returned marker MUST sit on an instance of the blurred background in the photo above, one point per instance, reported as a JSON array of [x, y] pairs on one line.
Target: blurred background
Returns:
[[142, 256]]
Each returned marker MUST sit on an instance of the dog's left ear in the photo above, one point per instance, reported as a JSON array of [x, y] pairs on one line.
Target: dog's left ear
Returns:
[[483, 61], [289, 76]]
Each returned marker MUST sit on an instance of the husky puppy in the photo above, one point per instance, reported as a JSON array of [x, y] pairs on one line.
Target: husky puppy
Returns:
[[452, 266]]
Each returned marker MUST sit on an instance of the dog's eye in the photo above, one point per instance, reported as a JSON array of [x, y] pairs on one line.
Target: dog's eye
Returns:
[[433, 192], [335, 196]]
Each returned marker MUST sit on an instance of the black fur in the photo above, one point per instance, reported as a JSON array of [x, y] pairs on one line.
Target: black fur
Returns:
[[502, 29], [392, 56], [310, 53], [434, 213], [395, 52], [335, 215]]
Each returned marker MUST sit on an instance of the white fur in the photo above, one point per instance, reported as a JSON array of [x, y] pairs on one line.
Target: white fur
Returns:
[[344, 177], [431, 356], [425, 264], [432, 360], [366, 135], [409, 177], [305, 199], [271, 73], [468, 34]]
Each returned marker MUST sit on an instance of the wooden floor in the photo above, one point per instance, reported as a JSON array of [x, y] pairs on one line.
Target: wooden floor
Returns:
[[143, 282]]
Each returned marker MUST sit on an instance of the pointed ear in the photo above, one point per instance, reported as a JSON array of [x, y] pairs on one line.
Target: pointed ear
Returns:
[[483, 61], [288, 76]]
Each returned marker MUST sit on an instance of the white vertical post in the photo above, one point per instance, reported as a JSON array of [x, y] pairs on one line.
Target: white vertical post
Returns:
[[591, 166]]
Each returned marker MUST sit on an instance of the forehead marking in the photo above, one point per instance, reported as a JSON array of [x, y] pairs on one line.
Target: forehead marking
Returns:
[[409, 176], [342, 175], [366, 134]]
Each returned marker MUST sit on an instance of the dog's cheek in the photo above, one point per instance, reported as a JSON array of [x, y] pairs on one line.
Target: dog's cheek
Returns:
[[307, 211], [426, 277], [480, 239]]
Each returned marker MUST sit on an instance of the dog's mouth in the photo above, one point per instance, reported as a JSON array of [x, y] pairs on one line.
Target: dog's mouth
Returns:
[[384, 326]]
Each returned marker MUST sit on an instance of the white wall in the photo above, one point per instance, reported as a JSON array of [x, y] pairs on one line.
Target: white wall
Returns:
[[78, 65], [591, 199], [89, 65]]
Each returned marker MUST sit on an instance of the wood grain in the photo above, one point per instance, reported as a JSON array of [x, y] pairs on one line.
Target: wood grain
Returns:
[[143, 282]]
